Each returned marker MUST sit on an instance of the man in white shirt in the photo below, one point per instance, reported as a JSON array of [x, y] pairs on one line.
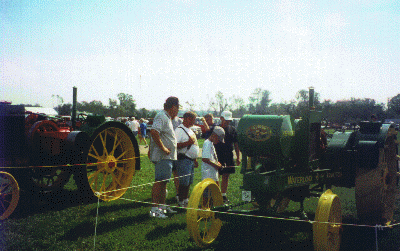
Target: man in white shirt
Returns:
[[163, 153], [188, 151]]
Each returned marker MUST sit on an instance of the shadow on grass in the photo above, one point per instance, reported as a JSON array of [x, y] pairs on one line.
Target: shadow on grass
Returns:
[[273, 235], [161, 231], [41, 202], [86, 228], [107, 208]]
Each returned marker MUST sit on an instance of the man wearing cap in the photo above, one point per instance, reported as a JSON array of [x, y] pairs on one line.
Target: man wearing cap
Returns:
[[211, 165], [163, 153], [225, 151]]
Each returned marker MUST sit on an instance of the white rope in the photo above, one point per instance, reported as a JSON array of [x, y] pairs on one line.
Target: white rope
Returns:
[[97, 216]]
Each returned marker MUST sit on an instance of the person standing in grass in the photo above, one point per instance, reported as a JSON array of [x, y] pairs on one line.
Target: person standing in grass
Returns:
[[142, 134], [210, 164], [225, 152], [163, 153], [188, 151]]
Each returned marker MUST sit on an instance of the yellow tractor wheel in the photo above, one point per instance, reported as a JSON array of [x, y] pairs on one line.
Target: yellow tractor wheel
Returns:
[[202, 225], [112, 157], [9, 195], [327, 225]]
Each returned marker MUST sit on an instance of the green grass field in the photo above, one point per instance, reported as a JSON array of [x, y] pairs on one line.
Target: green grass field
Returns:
[[57, 221]]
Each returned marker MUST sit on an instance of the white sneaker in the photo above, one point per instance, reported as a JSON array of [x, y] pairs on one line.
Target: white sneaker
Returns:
[[157, 213], [168, 210]]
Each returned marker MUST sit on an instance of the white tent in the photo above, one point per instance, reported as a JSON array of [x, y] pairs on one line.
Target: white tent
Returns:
[[47, 111]]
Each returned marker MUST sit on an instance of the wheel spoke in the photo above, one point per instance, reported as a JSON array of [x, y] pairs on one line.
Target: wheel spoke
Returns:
[[104, 183], [115, 179], [121, 170], [122, 154], [104, 142], [96, 157], [4, 188], [115, 144], [95, 151], [96, 172]]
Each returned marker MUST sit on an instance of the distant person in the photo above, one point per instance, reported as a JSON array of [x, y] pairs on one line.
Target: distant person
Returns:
[[210, 164], [188, 151], [163, 153], [143, 131], [225, 151], [134, 126], [374, 118]]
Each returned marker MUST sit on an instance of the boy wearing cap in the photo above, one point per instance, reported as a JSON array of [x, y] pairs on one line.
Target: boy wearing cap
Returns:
[[210, 165], [225, 152], [163, 153]]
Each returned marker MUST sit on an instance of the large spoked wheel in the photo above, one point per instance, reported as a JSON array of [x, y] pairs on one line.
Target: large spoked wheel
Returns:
[[201, 222], [44, 178], [111, 160], [9, 195], [376, 189], [327, 228]]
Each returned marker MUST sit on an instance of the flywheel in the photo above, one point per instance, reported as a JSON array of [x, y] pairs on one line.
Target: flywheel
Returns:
[[327, 228], [376, 188], [202, 224]]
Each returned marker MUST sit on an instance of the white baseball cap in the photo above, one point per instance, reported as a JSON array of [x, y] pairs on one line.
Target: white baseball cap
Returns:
[[227, 115]]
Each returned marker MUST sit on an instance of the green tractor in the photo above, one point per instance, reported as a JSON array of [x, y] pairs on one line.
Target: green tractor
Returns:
[[290, 160]]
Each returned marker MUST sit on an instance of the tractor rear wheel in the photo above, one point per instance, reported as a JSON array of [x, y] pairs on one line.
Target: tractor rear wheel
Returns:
[[9, 195], [111, 160], [376, 189], [202, 225], [326, 230], [46, 178]]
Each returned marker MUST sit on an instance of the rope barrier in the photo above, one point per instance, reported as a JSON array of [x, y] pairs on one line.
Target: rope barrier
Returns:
[[95, 226]]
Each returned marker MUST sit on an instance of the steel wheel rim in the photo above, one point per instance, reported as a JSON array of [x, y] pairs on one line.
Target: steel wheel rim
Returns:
[[202, 225], [327, 236], [110, 163], [9, 195]]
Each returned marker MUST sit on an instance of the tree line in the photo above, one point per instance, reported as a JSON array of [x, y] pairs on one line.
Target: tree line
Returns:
[[125, 106], [340, 112], [259, 103]]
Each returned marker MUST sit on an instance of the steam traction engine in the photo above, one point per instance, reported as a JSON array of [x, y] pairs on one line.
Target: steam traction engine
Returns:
[[38, 155], [289, 160]]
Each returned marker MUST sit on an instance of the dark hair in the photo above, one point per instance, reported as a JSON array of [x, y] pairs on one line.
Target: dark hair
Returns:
[[189, 114], [170, 102]]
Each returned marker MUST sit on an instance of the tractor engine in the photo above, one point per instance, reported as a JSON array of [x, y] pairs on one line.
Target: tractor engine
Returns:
[[265, 140]]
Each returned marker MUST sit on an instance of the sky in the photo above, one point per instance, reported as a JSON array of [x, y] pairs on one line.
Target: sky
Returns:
[[193, 49]]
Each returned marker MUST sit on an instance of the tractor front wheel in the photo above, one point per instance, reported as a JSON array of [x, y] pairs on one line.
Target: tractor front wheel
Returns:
[[9, 195]]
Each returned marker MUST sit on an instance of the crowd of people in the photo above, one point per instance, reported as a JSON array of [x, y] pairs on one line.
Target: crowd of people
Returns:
[[174, 151]]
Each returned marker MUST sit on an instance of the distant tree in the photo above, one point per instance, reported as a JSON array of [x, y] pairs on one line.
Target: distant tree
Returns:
[[126, 101], [64, 109], [237, 106], [393, 111], [219, 104], [259, 101]]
